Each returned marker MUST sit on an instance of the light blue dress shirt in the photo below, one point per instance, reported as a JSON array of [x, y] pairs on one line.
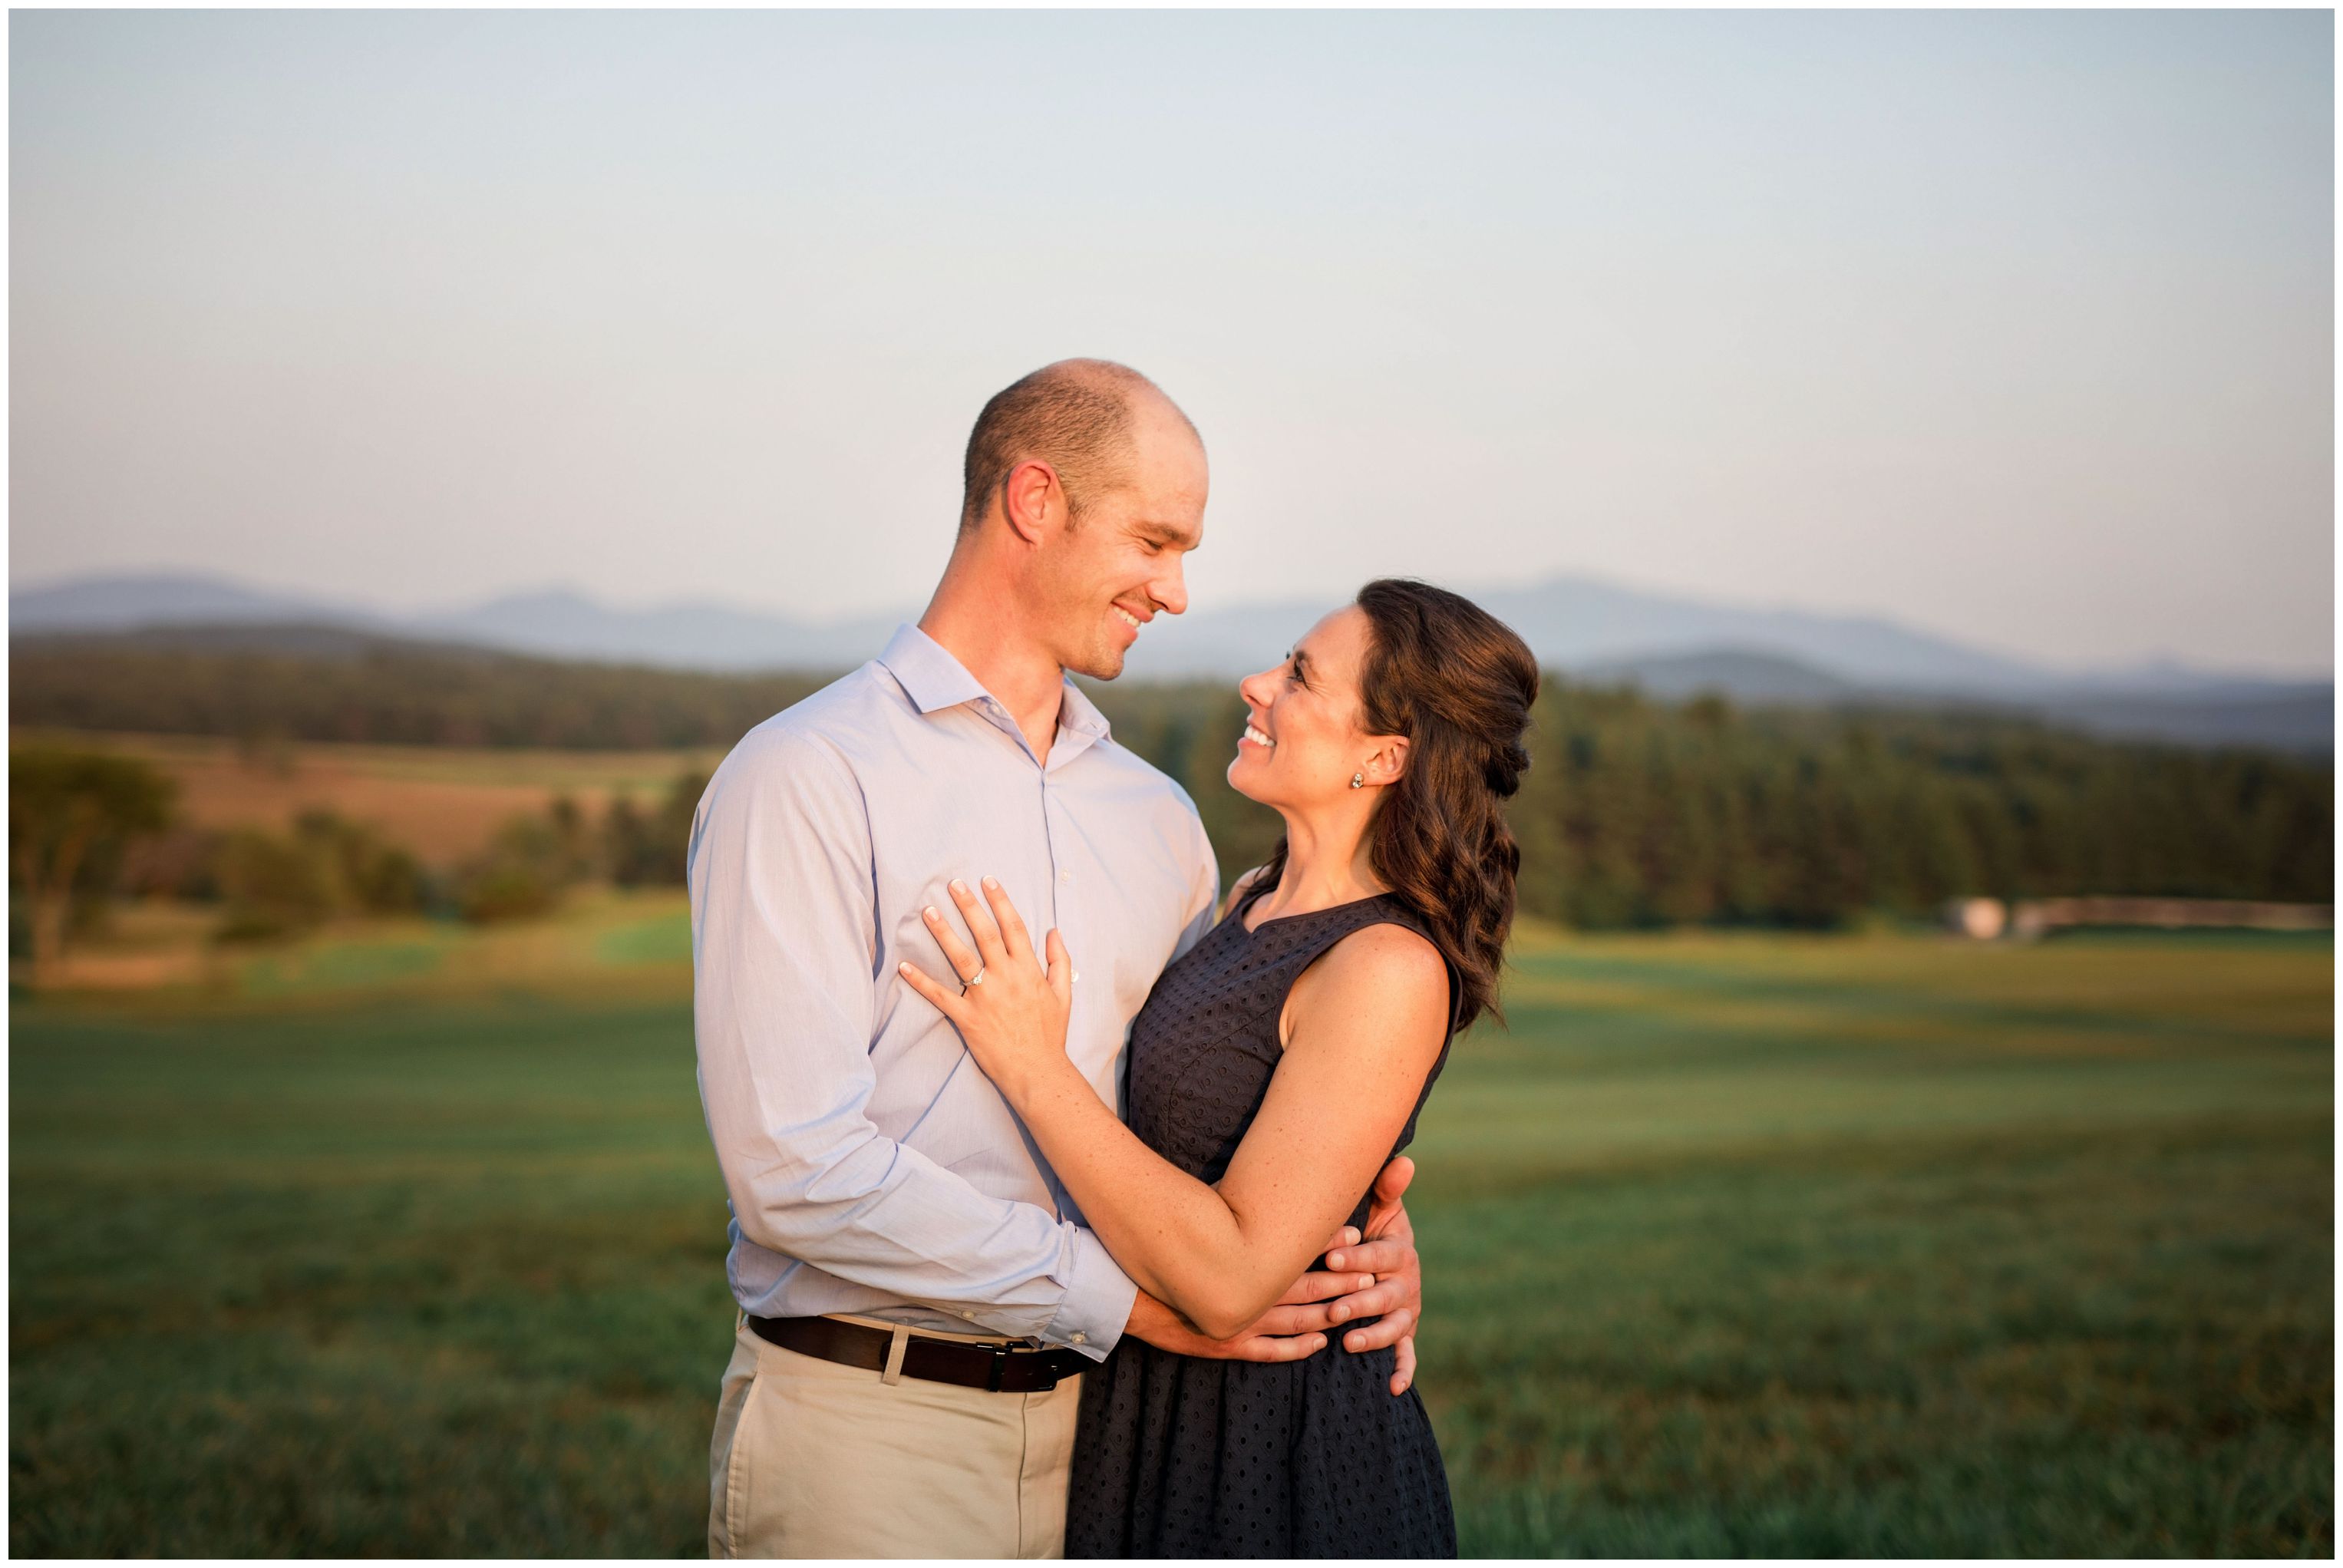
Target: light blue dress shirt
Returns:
[[871, 1166]]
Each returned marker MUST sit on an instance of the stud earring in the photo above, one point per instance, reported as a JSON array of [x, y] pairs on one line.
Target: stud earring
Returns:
[[1358, 780]]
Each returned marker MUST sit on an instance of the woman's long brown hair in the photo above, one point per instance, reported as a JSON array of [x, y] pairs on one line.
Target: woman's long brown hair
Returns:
[[1458, 684]]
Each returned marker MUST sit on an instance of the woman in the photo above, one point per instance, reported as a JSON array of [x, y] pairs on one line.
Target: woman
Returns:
[[1275, 1070]]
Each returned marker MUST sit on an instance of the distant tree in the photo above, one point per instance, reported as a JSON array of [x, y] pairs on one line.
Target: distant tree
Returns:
[[650, 849], [672, 828], [71, 814], [626, 842], [523, 873], [369, 874], [576, 847], [276, 885]]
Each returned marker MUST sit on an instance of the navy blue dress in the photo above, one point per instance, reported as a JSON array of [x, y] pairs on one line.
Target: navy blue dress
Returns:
[[1178, 1456]]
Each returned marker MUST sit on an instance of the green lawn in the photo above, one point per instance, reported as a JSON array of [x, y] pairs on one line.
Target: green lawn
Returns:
[[1736, 1245]]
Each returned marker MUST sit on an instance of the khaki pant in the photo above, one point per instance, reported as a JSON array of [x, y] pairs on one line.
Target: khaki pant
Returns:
[[811, 1459]]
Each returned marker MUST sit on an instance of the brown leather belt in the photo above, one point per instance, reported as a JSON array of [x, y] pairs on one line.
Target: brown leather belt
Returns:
[[997, 1369]]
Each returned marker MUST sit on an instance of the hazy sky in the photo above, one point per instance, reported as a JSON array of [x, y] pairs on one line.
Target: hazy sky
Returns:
[[2017, 326]]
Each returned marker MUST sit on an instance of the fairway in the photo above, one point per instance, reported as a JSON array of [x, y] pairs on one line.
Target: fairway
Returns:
[[1734, 1244]]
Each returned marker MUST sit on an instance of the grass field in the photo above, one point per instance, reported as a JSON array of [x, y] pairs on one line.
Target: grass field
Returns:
[[1735, 1244]]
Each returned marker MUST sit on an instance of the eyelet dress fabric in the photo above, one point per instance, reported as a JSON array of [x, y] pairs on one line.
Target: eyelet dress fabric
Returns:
[[1180, 1456]]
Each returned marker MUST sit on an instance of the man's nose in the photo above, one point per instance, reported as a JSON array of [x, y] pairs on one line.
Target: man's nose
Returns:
[[1246, 688], [1170, 591]]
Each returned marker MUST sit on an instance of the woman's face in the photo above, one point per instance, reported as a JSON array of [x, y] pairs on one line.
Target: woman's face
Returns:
[[1302, 742]]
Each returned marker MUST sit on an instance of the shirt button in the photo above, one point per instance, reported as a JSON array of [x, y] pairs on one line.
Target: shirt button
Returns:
[[970, 1316], [1065, 876], [1081, 1338]]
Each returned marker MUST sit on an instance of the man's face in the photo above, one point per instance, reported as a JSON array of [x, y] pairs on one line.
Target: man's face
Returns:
[[1110, 574]]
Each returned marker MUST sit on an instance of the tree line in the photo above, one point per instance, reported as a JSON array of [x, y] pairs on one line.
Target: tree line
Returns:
[[256, 685], [1634, 812]]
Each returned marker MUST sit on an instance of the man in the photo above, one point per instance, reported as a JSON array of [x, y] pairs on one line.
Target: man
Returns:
[[917, 1295]]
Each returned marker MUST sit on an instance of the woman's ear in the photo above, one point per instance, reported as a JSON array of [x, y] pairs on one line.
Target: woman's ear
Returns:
[[1386, 766]]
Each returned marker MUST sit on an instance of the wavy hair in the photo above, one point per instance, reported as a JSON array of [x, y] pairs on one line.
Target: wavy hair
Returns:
[[1458, 683]]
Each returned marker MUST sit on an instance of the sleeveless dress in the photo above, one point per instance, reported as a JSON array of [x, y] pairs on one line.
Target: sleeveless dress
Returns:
[[1179, 1457]]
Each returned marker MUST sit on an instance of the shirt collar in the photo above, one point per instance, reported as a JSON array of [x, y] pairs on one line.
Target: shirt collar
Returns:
[[933, 679], [1081, 715]]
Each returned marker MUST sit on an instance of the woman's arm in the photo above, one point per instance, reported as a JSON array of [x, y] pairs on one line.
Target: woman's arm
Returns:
[[1366, 1023]]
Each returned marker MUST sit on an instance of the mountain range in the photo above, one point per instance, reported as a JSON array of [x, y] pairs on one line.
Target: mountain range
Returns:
[[1672, 647]]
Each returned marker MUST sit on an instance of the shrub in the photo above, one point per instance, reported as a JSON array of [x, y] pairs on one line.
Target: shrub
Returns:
[[534, 859], [277, 885]]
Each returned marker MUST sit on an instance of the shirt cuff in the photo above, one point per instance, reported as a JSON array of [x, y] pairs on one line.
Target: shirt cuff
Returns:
[[1098, 1301]]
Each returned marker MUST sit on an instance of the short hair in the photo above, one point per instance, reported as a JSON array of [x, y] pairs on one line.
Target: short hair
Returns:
[[1074, 415]]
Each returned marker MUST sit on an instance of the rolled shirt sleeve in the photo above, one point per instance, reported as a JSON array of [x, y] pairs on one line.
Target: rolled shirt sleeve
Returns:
[[785, 947]]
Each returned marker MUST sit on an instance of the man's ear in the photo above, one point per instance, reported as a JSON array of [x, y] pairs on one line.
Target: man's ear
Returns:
[[1034, 499]]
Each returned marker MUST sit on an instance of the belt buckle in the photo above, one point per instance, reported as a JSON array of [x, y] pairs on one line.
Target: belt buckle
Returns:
[[1000, 1354]]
